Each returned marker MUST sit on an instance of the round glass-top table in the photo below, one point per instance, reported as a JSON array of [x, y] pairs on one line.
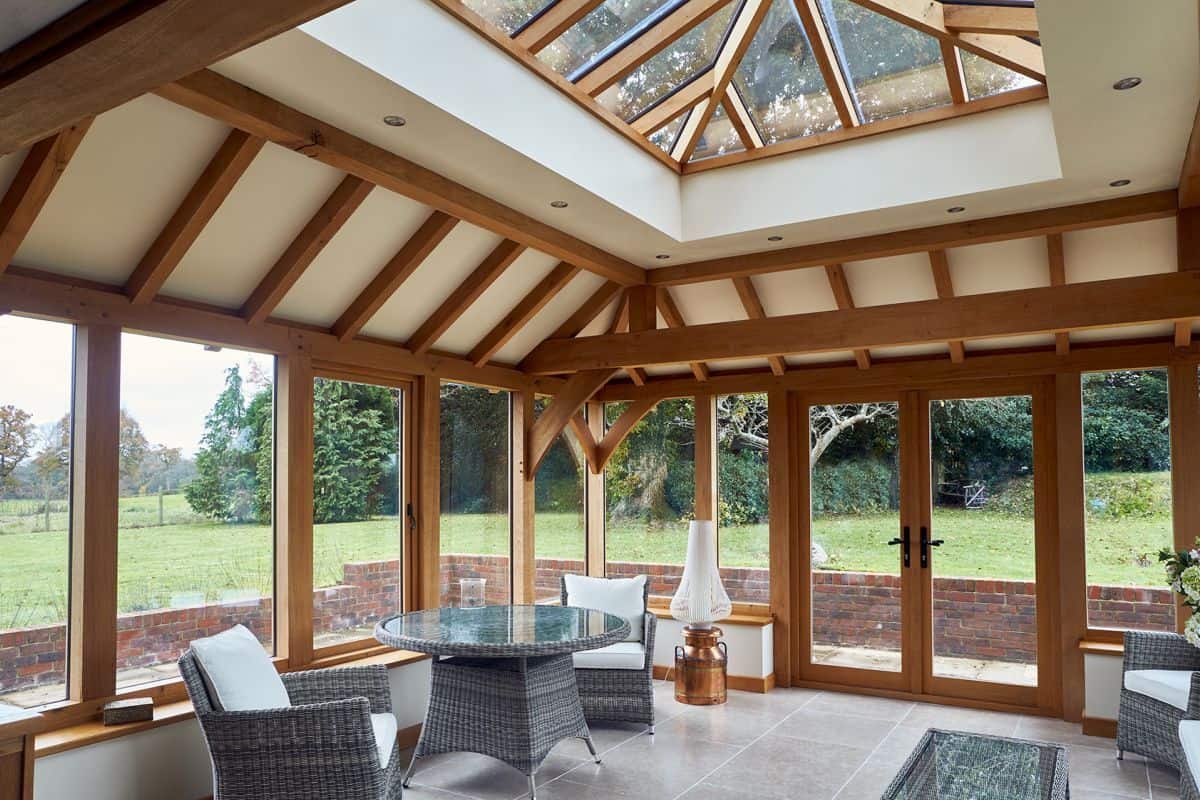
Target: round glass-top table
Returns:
[[503, 680]]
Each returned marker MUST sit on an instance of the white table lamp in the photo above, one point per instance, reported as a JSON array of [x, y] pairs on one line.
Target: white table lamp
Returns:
[[701, 599]]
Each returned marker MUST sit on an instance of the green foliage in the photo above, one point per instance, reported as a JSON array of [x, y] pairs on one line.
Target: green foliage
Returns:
[[226, 483], [651, 476], [743, 486], [1108, 495], [1125, 423], [857, 486], [355, 440], [474, 445]]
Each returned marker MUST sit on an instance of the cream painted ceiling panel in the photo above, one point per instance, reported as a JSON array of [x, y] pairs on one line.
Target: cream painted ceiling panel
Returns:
[[1121, 251], [711, 301], [426, 289], [999, 266], [797, 291], [500, 298], [270, 204], [368, 240], [134, 166], [9, 165], [898, 279], [546, 322], [1153, 331], [1010, 342], [604, 320]]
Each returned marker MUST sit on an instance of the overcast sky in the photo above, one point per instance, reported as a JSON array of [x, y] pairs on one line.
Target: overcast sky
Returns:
[[167, 386]]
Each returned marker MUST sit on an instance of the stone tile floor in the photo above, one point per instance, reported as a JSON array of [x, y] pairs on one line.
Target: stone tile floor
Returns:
[[790, 744]]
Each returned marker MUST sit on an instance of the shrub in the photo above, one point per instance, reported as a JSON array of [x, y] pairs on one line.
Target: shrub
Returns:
[[857, 486], [1108, 495]]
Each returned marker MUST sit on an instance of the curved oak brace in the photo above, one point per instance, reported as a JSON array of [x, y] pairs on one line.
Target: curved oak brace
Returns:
[[587, 442], [619, 430], [578, 389]]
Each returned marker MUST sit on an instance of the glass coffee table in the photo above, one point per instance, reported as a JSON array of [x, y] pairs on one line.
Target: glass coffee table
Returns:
[[951, 765]]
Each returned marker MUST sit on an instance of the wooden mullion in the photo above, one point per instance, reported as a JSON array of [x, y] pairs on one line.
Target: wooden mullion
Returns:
[[845, 301], [95, 490], [1184, 396], [308, 244], [754, 310], [683, 99], [827, 61], [199, 206], [705, 506], [1072, 551], [741, 120], [594, 504], [524, 565], [516, 319], [39, 173], [537, 35], [393, 275], [294, 508], [955, 77], [427, 494], [944, 283], [783, 433], [475, 284]]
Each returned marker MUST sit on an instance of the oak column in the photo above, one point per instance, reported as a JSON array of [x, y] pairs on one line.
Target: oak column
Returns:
[[294, 508], [524, 566]]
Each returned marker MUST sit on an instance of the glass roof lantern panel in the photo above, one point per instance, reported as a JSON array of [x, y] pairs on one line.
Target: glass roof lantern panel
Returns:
[[719, 137], [780, 80], [508, 15], [664, 137], [892, 68], [985, 78], [670, 69], [603, 30]]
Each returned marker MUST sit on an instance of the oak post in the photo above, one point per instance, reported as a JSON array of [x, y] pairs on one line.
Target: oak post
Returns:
[[524, 565], [780, 433], [294, 508], [706, 458], [594, 497], [1184, 405], [1072, 557], [96, 423], [428, 491]]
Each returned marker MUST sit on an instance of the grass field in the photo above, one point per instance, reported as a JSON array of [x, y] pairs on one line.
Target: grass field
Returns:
[[191, 560]]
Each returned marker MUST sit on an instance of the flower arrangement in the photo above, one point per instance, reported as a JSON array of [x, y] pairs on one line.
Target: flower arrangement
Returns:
[[1183, 574]]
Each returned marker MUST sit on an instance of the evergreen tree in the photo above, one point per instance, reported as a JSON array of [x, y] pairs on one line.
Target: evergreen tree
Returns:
[[355, 440], [226, 464]]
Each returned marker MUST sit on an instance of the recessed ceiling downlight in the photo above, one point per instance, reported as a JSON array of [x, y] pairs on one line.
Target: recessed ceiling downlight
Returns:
[[774, 238], [1120, 182], [1127, 83], [558, 203], [955, 209], [662, 256], [395, 120]]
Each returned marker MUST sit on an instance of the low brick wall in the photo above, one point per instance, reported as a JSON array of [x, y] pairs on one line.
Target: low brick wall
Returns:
[[976, 618]]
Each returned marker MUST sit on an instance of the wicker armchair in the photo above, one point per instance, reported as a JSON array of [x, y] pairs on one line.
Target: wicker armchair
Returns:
[[321, 748], [620, 695], [1189, 769], [1145, 725]]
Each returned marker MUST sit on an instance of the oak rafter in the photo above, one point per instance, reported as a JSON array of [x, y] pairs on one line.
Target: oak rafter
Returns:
[[943, 282], [754, 310], [526, 310], [845, 301]]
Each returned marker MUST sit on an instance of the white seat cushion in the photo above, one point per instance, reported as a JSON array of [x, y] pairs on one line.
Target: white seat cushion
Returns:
[[622, 655], [623, 597], [384, 727], [1168, 685], [1189, 737], [239, 672]]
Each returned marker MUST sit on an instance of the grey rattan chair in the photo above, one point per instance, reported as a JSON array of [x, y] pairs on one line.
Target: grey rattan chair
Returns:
[[1188, 788], [1147, 726], [620, 695], [322, 748]]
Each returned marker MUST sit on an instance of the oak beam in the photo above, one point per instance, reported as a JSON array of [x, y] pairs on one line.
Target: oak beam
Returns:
[[1009, 20], [202, 201], [544, 29], [845, 301], [737, 41], [483, 276], [1189, 176], [100, 63], [304, 249], [393, 275], [955, 76], [1187, 238], [674, 319], [754, 310], [1096, 304], [741, 120], [1137, 208], [682, 100], [620, 324], [617, 432], [648, 45], [944, 284], [503, 332], [1057, 261], [39, 173], [95, 457], [578, 389], [827, 61], [218, 97]]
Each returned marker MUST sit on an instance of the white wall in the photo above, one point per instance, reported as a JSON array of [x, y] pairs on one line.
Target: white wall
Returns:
[[751, 654], [1101, 686], [171, 763]]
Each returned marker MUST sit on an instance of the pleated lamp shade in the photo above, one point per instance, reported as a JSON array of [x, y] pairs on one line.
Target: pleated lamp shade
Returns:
[[701, 599]]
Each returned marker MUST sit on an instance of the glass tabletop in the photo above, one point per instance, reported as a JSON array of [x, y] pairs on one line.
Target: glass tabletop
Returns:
[[502, 631], [949, 765]]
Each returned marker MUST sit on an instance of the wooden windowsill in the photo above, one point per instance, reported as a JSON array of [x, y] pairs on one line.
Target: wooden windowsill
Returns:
[[748, 619], [1102, 648], [93, 731]]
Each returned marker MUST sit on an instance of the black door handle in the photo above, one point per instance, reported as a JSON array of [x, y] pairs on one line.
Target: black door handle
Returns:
[[903, 541], [927, 543]]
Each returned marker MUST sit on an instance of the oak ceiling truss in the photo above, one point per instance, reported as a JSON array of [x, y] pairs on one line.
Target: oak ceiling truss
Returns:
[[704, 83]]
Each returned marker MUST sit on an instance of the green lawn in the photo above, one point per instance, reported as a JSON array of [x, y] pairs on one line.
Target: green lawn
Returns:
[[190, 560]]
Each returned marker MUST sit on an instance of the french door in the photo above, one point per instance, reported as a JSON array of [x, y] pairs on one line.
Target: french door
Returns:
[[923, 542]]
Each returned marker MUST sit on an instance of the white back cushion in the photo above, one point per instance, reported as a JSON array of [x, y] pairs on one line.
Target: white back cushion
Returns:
[[619, 596], [240, 675], [1170, 686]]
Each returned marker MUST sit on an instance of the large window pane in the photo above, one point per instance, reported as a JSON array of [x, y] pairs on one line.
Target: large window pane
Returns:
[[650, 493], [358, 519], [985, 78], [855, 511], [743, 497], [1127, 498], [560, 543], [476, 531], [195, 525], [719, 137], [589, 39], [507, 15], [35, 455]]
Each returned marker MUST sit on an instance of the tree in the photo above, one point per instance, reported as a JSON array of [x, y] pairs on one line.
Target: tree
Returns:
[[132, 448], [227, 462], [52, 463], [355, 436], [16, 441]]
